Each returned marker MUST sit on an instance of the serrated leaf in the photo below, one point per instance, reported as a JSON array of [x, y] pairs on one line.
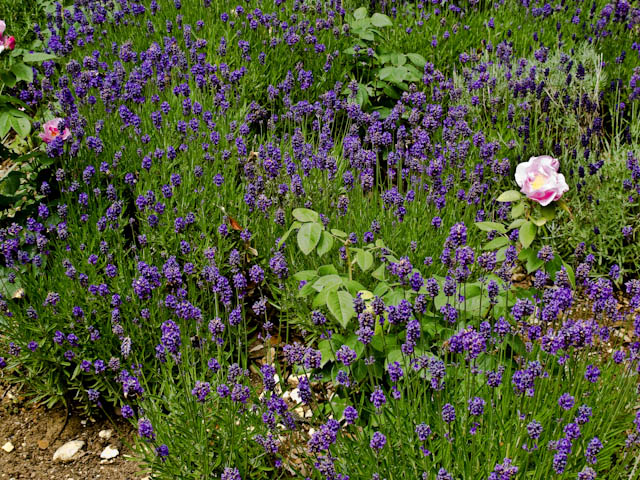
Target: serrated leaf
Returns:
[[527, 233], [509, 196], [364, 260], [305, 215], [308, 237], [490, 226], [340, 304]]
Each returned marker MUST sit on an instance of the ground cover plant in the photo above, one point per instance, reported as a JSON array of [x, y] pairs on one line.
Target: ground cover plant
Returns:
[[337, 239]]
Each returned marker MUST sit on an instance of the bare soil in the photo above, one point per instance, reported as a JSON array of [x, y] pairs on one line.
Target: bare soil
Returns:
[[37, 432]]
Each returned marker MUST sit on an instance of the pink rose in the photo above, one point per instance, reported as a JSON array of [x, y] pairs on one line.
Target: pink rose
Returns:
[[539, 179], [51, 130], [2, 27], [9, 42]]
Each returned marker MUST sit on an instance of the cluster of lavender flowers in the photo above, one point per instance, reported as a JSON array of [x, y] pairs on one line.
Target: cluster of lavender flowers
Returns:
[[155, 265]]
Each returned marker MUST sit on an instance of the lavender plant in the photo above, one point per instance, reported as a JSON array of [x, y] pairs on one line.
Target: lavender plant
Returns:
[[272, 279]]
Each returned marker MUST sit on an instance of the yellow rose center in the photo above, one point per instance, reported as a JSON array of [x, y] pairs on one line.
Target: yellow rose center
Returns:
[[538, 182], [54, 132]]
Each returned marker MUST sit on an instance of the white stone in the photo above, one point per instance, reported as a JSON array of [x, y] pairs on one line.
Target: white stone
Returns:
[[109, 452], [105, 434], [8, 447], [67, 451], [295, 395]]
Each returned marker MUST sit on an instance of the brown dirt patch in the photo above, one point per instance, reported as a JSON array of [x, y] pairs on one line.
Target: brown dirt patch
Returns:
[[37, 432]]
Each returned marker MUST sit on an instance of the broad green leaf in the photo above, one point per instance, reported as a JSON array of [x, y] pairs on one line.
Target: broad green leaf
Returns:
[[394, 297], [496, 243], [5, 124], [509, 196], [533, 264], [305, 215], [326, 270], [489, 226], [362, 97], [320, 300], [305, 275], [360, 13], [517, 210], [306, 290], [413, 74], [21, 125], [338, 233], [417, 59], [527, 233], [325, 244], [517, 223], [22, 72], [327, 281], [380, 20], [381, 289], [287, 233], [308, 237], [37, 57], [549, 212], [340, 304], [570, 273], [353, 286], [8, 78], [327, 352], [539, 221], [364, 259], [379, 273], [11, 183]]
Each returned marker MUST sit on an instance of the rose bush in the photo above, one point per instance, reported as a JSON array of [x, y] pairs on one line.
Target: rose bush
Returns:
[[540, 181]]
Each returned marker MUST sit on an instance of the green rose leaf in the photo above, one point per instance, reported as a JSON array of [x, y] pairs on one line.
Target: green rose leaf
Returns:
[[340, 304], [325, 244], [509, 196], [380, 20], [489, 226], [305, 215], [527, 233], [308, 237]]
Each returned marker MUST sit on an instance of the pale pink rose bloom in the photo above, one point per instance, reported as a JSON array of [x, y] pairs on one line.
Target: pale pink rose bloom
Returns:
[[2, 27], [540, 181], [51, 130]]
